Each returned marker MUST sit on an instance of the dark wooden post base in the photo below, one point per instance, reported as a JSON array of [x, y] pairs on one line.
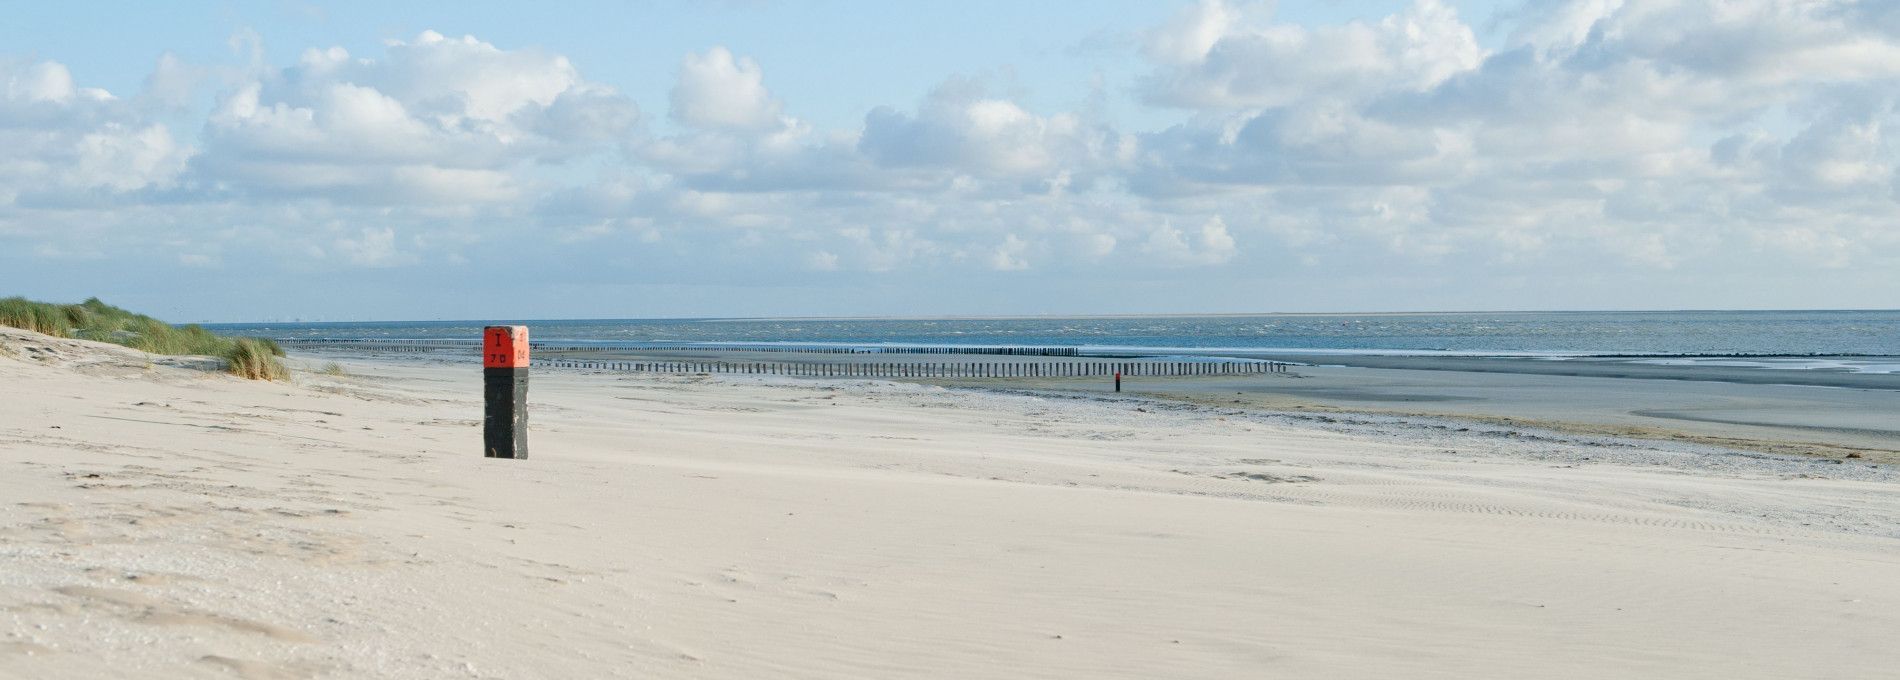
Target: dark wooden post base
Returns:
[[505, 422]]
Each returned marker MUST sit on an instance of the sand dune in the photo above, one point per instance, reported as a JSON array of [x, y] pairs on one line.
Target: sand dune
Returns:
[[157, 520]]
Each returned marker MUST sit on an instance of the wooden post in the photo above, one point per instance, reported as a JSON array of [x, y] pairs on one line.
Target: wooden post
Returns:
[[1118, 381], [505, 392]]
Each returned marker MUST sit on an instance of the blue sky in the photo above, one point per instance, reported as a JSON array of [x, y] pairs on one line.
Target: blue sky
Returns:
[[224, 161]]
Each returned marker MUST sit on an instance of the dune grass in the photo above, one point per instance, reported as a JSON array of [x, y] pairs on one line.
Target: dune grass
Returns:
[[254, 358]]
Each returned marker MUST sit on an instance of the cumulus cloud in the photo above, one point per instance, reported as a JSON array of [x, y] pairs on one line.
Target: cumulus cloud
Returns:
[[1213, 57], [960, 138], [718, 91], [1653, 132], [44, 82], [64, 143], [961, 127], [436, 120]]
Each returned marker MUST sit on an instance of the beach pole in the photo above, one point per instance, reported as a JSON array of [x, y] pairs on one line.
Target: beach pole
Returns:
[[505, 392], [1118, 381]]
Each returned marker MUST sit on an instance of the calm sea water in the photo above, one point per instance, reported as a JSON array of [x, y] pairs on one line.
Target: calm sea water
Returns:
[[1660, 334]]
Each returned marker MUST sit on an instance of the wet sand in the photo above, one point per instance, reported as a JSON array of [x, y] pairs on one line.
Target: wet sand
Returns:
[[1825, 413], [1823, 421]]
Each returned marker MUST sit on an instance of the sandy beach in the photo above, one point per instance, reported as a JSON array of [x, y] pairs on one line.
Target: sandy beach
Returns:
[[163, 521]]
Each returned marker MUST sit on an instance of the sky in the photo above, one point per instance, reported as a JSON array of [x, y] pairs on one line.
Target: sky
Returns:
[[218, 161]]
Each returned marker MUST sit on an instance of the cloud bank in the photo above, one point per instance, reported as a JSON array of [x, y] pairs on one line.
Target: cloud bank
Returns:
[[1661, 142]]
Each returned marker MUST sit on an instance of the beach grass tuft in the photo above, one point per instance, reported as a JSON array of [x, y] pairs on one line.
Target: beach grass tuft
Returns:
[[251, 358], [254, 358]]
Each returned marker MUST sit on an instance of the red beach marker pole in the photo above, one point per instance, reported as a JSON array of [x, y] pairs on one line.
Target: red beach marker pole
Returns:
[[505, 391], [1118, 381]]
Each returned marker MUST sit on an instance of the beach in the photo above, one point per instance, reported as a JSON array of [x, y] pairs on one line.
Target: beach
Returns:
[[1829, 413], [160, 520]]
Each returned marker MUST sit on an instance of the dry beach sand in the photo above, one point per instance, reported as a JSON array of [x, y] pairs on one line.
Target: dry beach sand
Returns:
[[160, 521]]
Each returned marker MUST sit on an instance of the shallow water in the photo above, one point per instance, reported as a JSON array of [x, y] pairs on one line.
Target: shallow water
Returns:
[[1745, 333]]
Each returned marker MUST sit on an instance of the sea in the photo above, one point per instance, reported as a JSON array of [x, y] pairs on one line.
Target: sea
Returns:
[[1862, 341]]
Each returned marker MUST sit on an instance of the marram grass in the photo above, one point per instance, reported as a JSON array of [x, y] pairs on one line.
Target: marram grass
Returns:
[[254, 358]]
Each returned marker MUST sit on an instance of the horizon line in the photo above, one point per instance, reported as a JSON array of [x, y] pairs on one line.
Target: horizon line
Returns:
[[1000, 317]]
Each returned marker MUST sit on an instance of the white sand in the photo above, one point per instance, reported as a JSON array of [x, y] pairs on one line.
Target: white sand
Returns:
[[162, 522]]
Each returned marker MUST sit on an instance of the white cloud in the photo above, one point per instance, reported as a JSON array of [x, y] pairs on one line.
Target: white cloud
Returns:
[[1187, 38], [1211, 245], [889, 249], [437, 120], [960, 127], [1008, 256], [458, 79], [718, 91], [122, 159], [70, 145], [1668, 138], [1212, 58], [47, 81], [372, 248], [960, 138], [1843, 152], [1559, 24], [1590, 132]]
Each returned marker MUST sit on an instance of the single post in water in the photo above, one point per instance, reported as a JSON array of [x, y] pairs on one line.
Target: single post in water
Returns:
[[505, 391], [1118, 381]]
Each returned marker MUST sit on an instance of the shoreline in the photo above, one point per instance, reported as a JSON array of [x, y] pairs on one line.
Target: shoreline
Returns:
[[1657, 403], [1618, 366], [1615, 367], [1826, 423]]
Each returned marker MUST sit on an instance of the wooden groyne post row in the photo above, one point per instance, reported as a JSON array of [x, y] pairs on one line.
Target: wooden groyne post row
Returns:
[[1088, 366], [505, 391]]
